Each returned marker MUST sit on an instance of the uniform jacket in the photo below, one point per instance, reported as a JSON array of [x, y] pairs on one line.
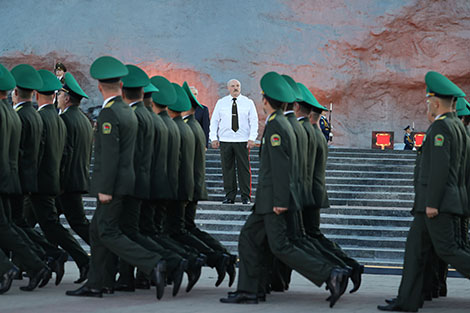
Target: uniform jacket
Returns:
[[159, 184], [311, 158], [186, 161], [143, 150], [200, 190], [441, 168], [319, 172], [325, 127], [202, 116], [278, 173], [115, 135], [31, 136], [51, 151], [174, 145], [408, 142], [77, 152]]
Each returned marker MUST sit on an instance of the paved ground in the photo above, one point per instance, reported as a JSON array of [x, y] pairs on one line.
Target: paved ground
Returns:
[[302, 297]]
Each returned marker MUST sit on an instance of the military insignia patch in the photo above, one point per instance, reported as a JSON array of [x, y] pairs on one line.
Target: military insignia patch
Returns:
[[107, 128], [438, 140], [275, 140]]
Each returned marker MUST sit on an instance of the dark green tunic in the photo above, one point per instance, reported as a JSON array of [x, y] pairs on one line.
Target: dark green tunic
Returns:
[[186, 161], [159, 184], [174, 144]]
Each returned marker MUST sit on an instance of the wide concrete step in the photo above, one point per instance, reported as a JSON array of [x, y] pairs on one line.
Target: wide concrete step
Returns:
[[359, 181], [372, 202]]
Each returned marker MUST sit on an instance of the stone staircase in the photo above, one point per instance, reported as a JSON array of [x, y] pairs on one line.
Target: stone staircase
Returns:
[[370, 192]]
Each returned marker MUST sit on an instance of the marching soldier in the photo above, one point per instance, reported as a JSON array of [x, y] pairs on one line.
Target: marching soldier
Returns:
[[441, 195], [267, 223], [113, 179], [200, 191]]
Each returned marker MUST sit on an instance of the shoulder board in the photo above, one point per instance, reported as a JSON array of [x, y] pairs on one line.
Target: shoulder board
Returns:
[[442, 118], [18, 108], [272, 117], [109, 104]]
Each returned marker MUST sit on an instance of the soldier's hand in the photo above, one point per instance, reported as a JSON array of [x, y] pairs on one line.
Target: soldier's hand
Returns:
[[215, 144], [104, 198], [250, 144], [431, 212], [279, 210]]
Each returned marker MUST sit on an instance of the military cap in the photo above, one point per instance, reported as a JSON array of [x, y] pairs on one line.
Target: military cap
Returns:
[[166, 94], [7, 81], [463, 107], [191, 97], [295, 88], [437, 85], [71, 86], [50, 82], [27, 77], [136, 78], [407, 127], [108, 69], [60, 66], [275, 87], [150, 88], [182, 103], [309, 98]]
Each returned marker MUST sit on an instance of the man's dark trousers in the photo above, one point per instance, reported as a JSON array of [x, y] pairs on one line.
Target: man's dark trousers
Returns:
[[235, 157]]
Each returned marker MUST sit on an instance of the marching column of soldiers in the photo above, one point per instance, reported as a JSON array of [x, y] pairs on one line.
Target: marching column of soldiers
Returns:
[[149, 174]]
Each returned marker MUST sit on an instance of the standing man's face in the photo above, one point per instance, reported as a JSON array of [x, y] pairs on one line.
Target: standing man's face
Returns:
[[59, 73], [234, 88]]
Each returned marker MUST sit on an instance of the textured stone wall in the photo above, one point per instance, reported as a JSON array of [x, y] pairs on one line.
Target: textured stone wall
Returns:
[[368, 57]]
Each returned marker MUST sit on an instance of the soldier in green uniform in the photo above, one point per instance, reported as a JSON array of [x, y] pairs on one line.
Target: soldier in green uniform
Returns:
[[75, 165], [133, 94], [26, 79], [277, 193], [200, 191], [329, 249], [51, 151], [113, 179], [175, 223], [440, 195]]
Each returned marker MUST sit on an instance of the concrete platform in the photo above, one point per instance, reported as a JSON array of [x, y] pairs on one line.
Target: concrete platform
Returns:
[[302, 297]]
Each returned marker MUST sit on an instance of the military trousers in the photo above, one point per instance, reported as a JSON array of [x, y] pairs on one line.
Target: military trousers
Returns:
[[5, 264], [48, 218], [108, 240], [71, 205], [441, 232], [235, 159], [262, 230], [10, 240]]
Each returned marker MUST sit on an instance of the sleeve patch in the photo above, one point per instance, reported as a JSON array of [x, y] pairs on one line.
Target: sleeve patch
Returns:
[[107, 128], [438, 140], [275, 140]]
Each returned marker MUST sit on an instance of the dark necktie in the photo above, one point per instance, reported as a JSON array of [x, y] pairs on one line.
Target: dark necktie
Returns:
[[234, 115]]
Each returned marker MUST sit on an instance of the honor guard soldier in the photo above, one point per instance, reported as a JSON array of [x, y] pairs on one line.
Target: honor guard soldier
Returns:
[[133, 93], [440, 195], [26, 79], [59, 71], [407, 139], [200, 191], [325, 127], [276, 194], [113, 179]]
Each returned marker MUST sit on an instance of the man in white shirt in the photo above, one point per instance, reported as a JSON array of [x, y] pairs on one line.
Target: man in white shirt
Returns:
[[234, 128]]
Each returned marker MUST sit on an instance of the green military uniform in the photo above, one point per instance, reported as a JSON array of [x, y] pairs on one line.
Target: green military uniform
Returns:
[[129, 219], [439, 183], [113, 174], [50, 155], [278, 187], [10, 238], [75, 165]]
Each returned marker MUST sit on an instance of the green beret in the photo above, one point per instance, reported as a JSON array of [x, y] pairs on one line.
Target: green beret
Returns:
[[182, 103], [107, 68], [136, 78], [7, 81], [309, 98], [72, 86], [295, 88], [50, 82], [150, 88], [166, 93], [275, 87], [463, 107], [192, 98], [440, 86], [27, 77]]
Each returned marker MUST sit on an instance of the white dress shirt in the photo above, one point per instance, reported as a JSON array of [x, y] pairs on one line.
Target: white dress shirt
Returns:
[[221, 121]]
